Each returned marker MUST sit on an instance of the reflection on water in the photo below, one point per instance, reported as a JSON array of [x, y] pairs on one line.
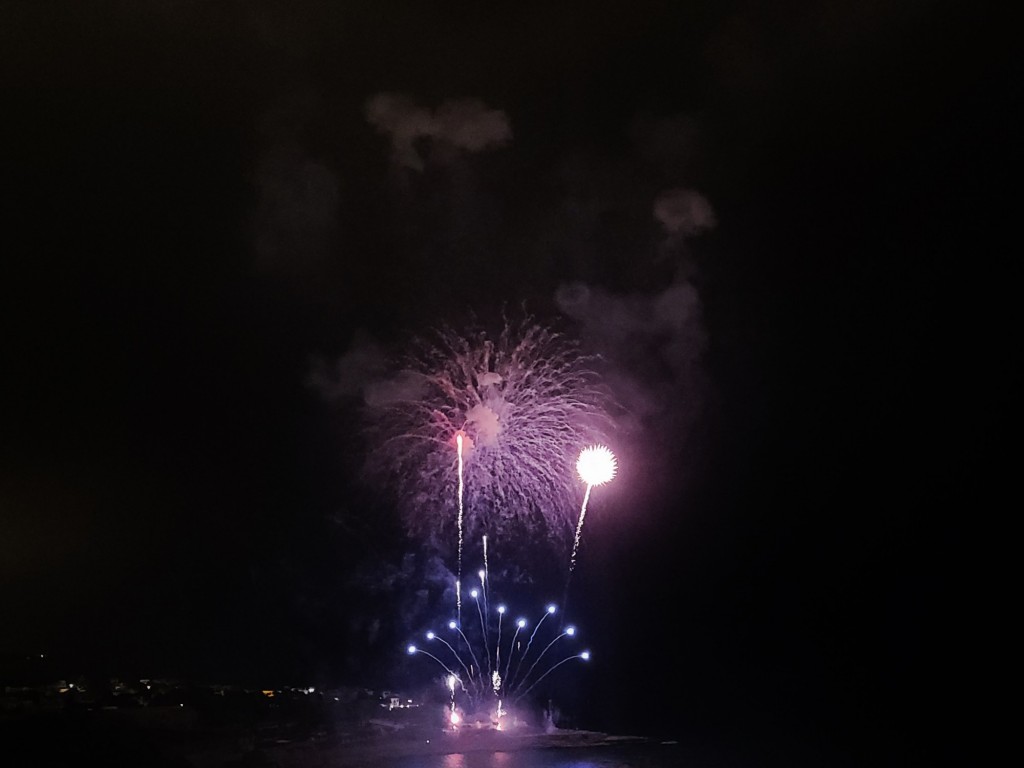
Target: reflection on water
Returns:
[[626, 756], [478, 760]]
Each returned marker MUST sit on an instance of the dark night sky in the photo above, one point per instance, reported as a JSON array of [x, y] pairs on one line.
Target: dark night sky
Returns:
[[199, 204]]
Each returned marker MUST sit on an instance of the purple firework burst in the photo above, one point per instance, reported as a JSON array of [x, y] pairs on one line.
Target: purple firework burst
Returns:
[[525, 401]]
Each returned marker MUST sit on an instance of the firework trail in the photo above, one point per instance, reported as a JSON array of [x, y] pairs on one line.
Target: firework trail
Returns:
[[485, 575], [595, 466], [458, 583], [497, 650], [454, 716], [512, 646], [517, 405], [579, 529], [475, 594], [458, 599], [549, 611]]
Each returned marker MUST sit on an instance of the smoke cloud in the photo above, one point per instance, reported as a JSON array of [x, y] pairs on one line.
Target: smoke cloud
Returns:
[[683, 212], [466, 124], [361, 374], [653, 342], [351, 374]]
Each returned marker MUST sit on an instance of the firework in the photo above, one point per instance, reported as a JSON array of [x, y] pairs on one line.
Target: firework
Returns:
[[485, 689], [496, 416], [595, 466], [458, 583]]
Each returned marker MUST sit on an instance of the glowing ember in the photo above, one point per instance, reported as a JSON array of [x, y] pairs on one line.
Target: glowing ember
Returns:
[[596, 465]]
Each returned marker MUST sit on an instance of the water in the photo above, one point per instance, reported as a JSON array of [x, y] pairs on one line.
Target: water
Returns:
[[655, 755]]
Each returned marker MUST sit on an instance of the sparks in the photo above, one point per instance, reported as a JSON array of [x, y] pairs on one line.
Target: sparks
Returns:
[[519, 405], [458, 590], [595, 466], [495, 668], [483, 683]]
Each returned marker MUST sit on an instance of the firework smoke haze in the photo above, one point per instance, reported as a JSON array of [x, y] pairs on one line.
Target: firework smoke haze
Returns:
[[652, 342], [683, 212], [525, 402], [466, 124]]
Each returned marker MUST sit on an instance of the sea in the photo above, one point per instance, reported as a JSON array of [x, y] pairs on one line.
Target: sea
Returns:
[[641, 755]]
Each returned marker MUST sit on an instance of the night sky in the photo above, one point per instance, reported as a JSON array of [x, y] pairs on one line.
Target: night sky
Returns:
[[760, 213]]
